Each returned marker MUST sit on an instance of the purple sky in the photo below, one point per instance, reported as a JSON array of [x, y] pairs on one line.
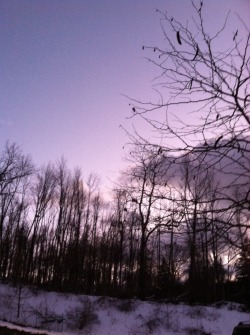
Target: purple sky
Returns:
[[64, 66]]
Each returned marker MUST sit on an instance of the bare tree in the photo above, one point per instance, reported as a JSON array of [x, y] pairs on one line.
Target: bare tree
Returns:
[[202, 74], [43, 192], [15, 168], [145, 184], [202, 113]]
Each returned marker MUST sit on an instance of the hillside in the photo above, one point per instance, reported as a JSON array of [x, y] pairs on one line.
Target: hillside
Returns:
[[71, 314]]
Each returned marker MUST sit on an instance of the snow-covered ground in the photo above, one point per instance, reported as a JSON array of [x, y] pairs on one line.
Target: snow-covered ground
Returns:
[[70, 314]]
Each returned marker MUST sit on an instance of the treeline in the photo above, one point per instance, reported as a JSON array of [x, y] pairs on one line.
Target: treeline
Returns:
[[165, 234]]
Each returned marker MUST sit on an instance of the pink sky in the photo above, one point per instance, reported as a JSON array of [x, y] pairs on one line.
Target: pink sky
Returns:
[[65, 65]]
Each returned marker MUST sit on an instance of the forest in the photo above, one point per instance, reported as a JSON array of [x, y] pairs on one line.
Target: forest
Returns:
[[177, 227], [158, 238]]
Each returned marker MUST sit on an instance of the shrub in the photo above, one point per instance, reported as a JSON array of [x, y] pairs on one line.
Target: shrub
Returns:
[[125, 306], [196, 331], [83, 316]]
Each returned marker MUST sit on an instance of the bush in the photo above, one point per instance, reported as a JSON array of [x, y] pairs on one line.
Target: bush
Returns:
[[153, 323], [83, 316], [196, 331], [197, 312], [125, 306]]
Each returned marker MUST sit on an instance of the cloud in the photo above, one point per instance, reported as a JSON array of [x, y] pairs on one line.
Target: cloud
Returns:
[[227, 167]]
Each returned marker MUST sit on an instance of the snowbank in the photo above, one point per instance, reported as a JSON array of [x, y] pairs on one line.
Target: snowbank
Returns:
[[70, 314]]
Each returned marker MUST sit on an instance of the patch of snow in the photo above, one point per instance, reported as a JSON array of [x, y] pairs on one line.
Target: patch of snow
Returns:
[[68, 314]]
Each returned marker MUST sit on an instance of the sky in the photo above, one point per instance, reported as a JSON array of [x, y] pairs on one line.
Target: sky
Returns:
[[66, 67]]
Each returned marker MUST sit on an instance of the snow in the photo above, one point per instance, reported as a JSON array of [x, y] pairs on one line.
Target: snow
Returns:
[[57, 313]]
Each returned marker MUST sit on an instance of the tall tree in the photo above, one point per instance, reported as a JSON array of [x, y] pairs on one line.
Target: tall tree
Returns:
[[201, 73], [43, 192], [15, 168], [206, 74], [143, 183]]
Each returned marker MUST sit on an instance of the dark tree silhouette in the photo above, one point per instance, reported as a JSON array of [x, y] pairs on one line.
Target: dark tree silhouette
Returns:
[[206, 75], [15, 168], [201, 114]]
